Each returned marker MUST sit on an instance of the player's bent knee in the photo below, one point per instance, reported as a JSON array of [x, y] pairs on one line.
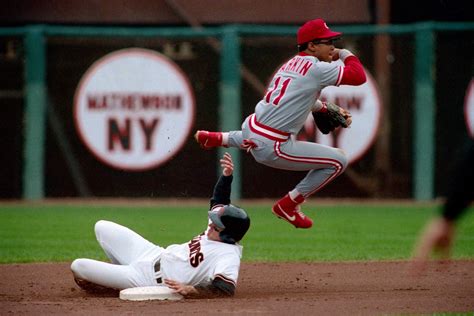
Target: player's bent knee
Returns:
[[77, 268], [342, 158], [100, 224], [100, 227]]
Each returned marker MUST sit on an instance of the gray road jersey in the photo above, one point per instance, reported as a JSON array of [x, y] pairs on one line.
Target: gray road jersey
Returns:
[[293, 91]]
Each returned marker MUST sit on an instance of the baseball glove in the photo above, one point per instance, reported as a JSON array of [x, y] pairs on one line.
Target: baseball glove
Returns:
[[331, 117]]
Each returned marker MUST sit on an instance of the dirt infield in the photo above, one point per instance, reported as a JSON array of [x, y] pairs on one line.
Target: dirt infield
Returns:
[[361, 288]]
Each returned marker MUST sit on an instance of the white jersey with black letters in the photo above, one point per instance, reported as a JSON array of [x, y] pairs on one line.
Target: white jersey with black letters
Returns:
[[201, 260]]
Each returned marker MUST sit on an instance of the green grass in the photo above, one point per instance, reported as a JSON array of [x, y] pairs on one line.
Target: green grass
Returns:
[[43, 233]]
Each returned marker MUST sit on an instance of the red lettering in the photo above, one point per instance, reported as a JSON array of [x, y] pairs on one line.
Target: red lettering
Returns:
[[126, 101], [269, 93], [295, 64], [96, 102], [304, 69], [146, 101], [178, 102], [282, 91], [283, 67], [148, 130], [134, 102], [291, 65], [354, 103], [351, 103], [119, 134]]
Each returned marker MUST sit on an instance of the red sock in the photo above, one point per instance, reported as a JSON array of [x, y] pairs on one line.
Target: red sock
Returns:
[[288, 204], [215, 138]]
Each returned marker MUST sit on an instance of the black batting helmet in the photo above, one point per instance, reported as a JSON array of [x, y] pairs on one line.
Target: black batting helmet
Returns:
[[233, 220]]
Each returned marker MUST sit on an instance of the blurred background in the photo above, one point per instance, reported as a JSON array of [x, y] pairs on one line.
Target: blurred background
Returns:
[[420, 62]]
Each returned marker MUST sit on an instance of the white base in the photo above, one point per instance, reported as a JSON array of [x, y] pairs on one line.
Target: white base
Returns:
[[149, 293]]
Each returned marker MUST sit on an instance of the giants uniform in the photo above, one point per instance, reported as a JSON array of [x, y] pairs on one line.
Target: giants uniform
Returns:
[[136, 262], [280, 115], [202, 260]]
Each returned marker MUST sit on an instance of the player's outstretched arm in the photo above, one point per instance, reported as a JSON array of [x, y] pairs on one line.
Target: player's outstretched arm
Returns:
[[227, 165], [217, 288], [222, 189]]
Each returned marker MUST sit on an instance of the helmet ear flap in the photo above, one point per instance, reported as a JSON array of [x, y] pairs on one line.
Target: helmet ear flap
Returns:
[[226, 238], [236, 223]]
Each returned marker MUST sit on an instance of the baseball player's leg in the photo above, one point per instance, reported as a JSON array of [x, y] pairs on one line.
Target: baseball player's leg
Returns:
[[325, 164], [233, 139], [121, 244], [109, 275], [301, 156], [209, 140], [316, 179]]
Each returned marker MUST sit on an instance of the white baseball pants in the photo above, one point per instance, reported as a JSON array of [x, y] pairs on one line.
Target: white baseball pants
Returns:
[[132, 256]]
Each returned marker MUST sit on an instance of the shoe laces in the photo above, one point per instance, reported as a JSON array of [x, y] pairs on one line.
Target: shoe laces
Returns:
[[299, 212]]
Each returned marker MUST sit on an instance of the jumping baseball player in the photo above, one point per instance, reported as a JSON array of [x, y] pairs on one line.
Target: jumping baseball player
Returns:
[[269, 133], [206, 266]]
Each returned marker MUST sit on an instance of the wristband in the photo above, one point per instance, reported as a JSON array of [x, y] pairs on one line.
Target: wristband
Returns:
[[324, 108], [318, 106], [344, 53]]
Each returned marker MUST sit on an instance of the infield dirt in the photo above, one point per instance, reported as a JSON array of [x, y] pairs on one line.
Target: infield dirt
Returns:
[[349, 288]]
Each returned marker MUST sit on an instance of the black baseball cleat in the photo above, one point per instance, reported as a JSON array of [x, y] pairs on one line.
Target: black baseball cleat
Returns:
[[94, 288]]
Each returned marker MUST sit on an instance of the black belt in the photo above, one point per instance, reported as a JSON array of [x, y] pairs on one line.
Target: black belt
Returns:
[[159, 279]]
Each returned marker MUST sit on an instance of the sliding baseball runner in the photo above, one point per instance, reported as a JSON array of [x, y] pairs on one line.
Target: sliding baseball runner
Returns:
[[206, 266]]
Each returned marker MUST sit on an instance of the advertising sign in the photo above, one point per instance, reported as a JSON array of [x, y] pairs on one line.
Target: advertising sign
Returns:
[[134, 109]]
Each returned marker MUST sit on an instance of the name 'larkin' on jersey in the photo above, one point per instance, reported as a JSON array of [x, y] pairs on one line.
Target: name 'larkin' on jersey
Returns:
[[298, 65]]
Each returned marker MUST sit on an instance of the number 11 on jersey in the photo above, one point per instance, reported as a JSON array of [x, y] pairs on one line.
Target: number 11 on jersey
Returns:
[[277, 87]]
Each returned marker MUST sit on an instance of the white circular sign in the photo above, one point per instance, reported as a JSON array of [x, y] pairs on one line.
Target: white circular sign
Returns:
[[469, 108], [364, 104], [134, 109]]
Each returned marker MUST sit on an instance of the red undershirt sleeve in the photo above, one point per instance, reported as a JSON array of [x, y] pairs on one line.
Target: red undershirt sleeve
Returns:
[[354, 73]]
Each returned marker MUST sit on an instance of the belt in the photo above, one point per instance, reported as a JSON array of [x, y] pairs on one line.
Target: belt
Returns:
[[157, 268], [267, 131]]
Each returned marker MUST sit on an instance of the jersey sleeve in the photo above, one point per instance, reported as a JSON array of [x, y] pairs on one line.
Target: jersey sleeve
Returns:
[[217, 288], [227, 271], [334, 74], [224, 288], [353, 72], [221, 193], [329, 74]]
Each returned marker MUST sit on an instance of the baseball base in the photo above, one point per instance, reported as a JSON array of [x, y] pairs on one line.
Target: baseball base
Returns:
[[147, 293]]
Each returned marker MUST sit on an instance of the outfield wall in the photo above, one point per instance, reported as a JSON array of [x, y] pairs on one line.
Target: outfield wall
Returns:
[[422, 74]]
